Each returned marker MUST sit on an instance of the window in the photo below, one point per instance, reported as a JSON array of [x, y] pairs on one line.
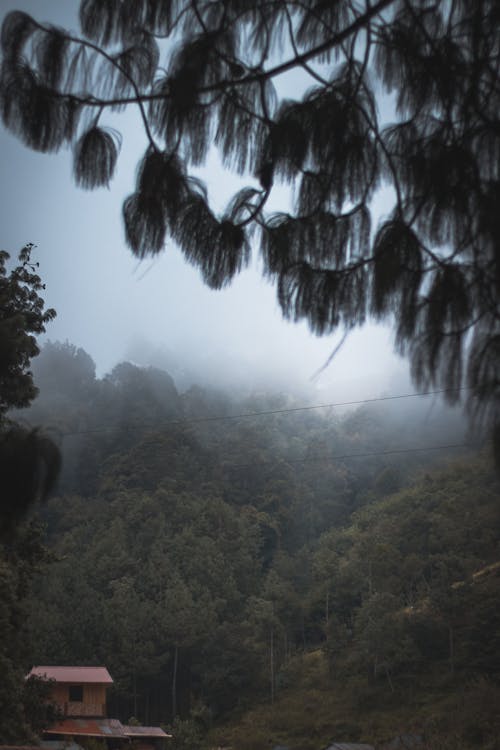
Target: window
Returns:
[[76, 693]]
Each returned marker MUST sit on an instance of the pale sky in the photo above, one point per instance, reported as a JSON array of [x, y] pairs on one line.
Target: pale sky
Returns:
[[159, 311]]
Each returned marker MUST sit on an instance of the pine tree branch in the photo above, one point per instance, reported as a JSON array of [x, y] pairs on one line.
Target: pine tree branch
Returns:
[[254, 77], [297, 60], [138, 99]]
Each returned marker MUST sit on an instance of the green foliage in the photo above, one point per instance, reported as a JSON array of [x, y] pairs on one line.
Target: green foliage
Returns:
[[92, 743], [187, 735], [29, 461], [431, 267], [218, 563], [29, 466], [38, 708], [64, 371], [22, 318], [23, 707]]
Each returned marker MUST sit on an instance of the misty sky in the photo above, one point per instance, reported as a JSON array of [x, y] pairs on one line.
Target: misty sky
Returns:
[[159, 311]]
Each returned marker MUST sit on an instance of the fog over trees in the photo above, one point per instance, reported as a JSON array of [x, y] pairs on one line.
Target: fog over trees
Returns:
[[212, 549]]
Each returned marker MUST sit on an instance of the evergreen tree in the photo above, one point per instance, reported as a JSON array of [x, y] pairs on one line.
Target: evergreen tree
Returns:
[[204, 73]]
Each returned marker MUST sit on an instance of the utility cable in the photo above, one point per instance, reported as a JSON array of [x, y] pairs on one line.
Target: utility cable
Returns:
[[264, 413], [341, 457]]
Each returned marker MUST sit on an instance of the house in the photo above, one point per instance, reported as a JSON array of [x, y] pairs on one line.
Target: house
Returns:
[[80, 694], [77, 691]]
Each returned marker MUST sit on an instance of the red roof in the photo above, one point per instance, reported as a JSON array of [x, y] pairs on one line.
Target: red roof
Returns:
[[102, 728], [73, 674], [87, 727], [134, 731]]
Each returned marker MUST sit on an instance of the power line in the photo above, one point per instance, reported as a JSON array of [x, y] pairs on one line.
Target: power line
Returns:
[[341, 457], [265, 413]]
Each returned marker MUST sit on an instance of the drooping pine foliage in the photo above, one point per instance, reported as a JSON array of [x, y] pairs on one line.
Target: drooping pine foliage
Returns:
[[203, 73]]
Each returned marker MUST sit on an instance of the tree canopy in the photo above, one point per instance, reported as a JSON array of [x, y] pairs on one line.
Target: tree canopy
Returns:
[[210, 563], [29, 461], [203, 74], [22, 318]]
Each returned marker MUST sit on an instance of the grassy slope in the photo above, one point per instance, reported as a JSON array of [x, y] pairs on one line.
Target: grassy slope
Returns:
[[315, 711]]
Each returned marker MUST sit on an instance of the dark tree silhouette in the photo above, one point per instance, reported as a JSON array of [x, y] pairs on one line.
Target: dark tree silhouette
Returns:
[[29, 461], [202, 73]]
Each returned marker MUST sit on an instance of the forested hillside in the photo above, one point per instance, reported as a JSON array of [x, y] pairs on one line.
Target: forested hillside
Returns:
[[296, 576]]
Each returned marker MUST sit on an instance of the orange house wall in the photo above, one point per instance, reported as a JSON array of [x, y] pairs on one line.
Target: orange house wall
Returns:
[[93, 704]]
